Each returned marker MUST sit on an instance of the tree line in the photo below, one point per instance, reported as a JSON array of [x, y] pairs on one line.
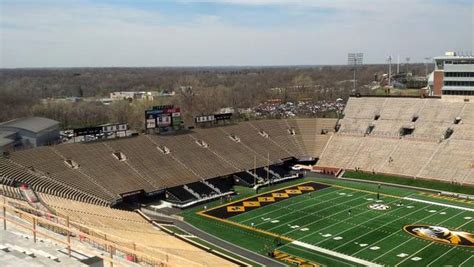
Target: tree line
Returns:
[[198, 90]]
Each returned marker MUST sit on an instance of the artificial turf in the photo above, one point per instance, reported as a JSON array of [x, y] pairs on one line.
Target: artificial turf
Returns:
[[322, 219], [437, 185]]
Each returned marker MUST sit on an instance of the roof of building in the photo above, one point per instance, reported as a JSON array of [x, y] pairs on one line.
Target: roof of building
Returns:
[[32, 124], [5, 141], [454, 57], [6, 138]]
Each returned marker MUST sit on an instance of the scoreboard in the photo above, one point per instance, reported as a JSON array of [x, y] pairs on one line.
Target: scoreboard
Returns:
[[213, 118], [96, 130], [163, 117]]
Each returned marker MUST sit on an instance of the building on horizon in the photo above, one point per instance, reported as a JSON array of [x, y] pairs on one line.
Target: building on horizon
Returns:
[[453, 77], [27, 133]]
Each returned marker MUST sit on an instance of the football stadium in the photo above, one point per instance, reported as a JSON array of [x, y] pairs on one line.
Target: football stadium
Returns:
[[389, 183]]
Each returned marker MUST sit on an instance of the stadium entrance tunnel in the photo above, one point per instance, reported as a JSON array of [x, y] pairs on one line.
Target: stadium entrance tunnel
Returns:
[[131, 200], [307, 161]]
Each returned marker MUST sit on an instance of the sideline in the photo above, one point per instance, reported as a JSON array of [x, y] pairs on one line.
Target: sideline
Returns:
[[438, 204], [335, 254]]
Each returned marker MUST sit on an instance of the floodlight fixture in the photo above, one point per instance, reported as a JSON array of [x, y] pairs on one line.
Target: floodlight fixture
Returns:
[[354, 59]]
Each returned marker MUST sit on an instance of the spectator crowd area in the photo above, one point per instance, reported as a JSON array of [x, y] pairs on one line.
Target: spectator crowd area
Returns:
[[275, 108], [418, 138], [186, 166]]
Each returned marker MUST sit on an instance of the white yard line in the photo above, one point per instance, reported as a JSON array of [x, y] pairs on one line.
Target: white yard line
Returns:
[[396, 232], [433, 261], [373, 218], [335, 254], [331, 225], [413, 254], [464, 224], [465, 261], [438, 204], [373, 230], [411, 238], [330, 207], [393, 248], [291, 205]]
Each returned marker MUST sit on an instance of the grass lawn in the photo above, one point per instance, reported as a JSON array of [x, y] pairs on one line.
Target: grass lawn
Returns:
[[398, 92]]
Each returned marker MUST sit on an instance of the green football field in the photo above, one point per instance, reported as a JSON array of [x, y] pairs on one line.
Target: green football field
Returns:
[[347, 224]]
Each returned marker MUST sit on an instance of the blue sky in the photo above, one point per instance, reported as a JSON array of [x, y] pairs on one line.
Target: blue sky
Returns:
[[94, 33]]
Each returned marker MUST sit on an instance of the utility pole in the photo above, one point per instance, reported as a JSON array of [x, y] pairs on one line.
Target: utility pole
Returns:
[[398, 64], [389, 70], [255, 169], [408, 61], [268, 172]]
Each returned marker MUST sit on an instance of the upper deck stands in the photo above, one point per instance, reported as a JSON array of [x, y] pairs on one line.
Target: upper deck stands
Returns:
[[45, 162], [234, 152], [354, 126], [402, 109], [423, 153], [436, 110], [160, 169], [314, 135], [258, 144], [105, 170], [363, 108], [198, 158], [96, 160], [277, 131]]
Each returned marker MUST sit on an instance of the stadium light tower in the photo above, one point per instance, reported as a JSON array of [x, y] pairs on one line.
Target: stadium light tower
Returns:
[[354, 59], [427, 60], [389, 59]]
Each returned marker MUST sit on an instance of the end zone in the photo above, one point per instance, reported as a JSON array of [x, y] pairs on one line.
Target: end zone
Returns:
[[238, 207]]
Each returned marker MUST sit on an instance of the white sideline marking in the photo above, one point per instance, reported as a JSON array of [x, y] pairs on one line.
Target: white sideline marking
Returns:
[[438, 204], [335, 254]]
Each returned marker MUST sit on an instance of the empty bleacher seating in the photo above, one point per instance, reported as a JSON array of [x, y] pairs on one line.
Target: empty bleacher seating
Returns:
[[262, 173], [223, 184], [246, 178], [130, 229], [101, 172], [280, 170], [431, 151], [202, 189], [181, 194]]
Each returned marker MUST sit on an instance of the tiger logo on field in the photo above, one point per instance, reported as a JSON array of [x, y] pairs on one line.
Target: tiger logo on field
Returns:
[[441, 235]]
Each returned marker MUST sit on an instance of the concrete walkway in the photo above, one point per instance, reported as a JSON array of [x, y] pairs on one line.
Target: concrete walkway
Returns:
[[228, 246]]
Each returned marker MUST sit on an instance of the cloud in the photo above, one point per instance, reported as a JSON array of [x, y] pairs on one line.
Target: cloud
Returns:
[[260, 32], [208, 19]]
